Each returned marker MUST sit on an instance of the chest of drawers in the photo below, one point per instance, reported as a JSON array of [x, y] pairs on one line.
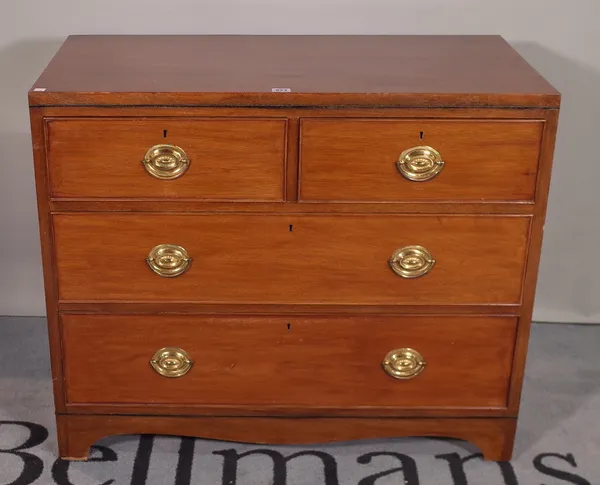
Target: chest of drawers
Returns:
[[290, 239]]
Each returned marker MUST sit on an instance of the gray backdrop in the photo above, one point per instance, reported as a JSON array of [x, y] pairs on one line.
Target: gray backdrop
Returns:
[[560, 39]]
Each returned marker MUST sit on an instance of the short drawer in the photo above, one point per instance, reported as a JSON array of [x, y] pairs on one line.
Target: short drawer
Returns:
[[291, 259], [220, 159], [391, 160], [407, 362]]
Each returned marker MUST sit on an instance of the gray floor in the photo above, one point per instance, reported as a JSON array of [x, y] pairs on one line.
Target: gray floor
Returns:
[[558, 438]]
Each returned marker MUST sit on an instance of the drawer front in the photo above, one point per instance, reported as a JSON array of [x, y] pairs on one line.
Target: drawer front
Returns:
[[281, 259], [229, 159], [481, 160], [304, 361]]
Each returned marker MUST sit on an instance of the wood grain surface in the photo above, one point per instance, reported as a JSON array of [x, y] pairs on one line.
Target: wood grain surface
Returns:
[[515, 112], [237, 70], [493, 436], [48, 257], [195, 308], [533, 260], [298, 361], [355, 160], [203, 206], [290, 259], [231, 159]]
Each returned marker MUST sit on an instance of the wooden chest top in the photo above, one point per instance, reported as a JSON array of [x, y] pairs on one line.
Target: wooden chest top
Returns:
[[238, 70]]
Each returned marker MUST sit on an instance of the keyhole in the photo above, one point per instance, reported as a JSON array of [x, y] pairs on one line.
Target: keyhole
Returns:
[[291, 227], [421, 134], [165, 133], [289, 326]]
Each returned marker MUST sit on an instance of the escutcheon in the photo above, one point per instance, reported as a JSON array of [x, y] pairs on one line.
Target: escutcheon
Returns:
[[166, 162], [171, 362], [411, 262], [403, 363], [420, 164], [168, 260]]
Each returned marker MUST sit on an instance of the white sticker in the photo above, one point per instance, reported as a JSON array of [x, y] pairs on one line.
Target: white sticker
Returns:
[[281, 90], [39, 89]]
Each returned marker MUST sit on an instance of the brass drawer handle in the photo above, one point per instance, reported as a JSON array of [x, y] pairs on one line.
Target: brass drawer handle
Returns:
[[166, 162], [420, 163], [168, 260], [171, 362], [403, 363], [411, 262]]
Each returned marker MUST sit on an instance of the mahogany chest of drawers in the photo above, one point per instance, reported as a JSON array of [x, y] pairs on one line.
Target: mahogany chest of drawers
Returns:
[[290, 239]]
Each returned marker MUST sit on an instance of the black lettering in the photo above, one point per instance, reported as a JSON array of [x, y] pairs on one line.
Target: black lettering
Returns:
[[60, 469], [185, 461], [508, 473], [231, 459], [409, 468], [540, 466], [457, 466], [32, 465], [141, 463], [459, 476]]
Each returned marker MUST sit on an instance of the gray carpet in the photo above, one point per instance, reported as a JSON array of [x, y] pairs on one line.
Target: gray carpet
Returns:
[[558, 437]]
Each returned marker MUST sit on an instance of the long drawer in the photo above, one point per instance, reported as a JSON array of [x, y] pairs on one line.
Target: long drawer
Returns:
[[297, 259], [392, 160], [210, 158], [291, 360]]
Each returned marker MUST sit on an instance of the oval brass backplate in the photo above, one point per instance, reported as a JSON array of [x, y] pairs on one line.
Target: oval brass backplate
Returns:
[[166, 162], [420, 164], [171, 362], [411, 262], [403, 363], [168, 260]]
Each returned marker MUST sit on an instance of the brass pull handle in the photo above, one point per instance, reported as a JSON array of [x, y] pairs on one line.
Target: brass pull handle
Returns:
[[171, 362], [411, 262], [420, 163], [166, 162], [168, 260], [403, 363]]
